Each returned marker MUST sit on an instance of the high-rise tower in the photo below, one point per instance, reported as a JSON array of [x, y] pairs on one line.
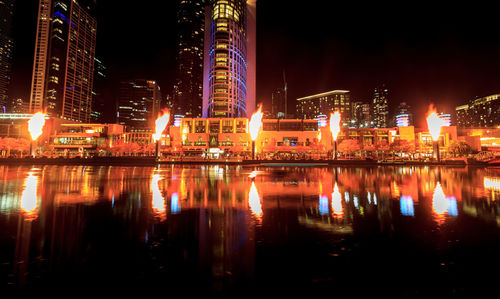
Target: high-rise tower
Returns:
[[6, 48], [380, 107], [63, 68], [229, 58], [188, 91]]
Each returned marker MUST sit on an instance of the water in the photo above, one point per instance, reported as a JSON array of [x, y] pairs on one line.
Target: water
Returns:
[[402, 231]]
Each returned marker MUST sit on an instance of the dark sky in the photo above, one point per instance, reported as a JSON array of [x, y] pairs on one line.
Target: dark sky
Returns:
[[423, 52]]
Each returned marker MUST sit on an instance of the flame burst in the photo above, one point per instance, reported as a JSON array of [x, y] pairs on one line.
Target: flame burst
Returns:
[[160, 124], [335, 124], [35, 125], [434, 122], [255, 123]]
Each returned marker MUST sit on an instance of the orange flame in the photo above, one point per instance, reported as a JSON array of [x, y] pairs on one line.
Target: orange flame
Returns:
[[434, 122], [35, 125], [160, 124], [335, 124], [255, 123], [254, 202]]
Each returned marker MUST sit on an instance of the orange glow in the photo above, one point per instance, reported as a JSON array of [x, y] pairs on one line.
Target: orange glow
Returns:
[[254, 202], [319, 136], [491, 183], [434, 123], [29, 198], [337, 202], [253, 174], [160, 124], [335, 124], [255, 123], [35, 125], [158, 200]]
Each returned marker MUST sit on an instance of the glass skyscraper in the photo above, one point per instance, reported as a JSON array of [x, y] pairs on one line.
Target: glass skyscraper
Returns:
[[138, 103], [63, 68], [6, 48], [229, 58], [380, 107]]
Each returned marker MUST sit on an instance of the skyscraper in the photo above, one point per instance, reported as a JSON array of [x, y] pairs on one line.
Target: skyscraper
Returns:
[[6, 48], [188, 90], [63, 68], [99, 113], [380, 107], [312, 107], [138, 103], [403, 116], [229, 58]]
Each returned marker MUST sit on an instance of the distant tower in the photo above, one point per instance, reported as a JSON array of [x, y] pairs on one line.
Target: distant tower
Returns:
[[188, 90], [279, 101], [229, 58], [102, 107], [138, 103], [6, 48], [380, 107], [403, 116], [63, 68]]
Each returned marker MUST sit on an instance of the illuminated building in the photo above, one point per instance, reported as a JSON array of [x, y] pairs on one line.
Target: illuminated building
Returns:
[[361, 115], [229, 58], [63, 68], [403, 116], [480, 112], [278, 103], [99, 113], [380, 107], [446, 118], [19, 106], [6, 48], [324, 103], [138, 103], [188, 91]]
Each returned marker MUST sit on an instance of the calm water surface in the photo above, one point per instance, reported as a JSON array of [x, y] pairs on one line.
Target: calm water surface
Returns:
[[402, 231]]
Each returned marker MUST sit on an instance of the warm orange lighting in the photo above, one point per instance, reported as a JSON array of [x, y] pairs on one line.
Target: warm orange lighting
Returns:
[[35, 125], [160, 124], [439, 202], [434, 123], [337, 202], [491, 183], [158, 200], [29, 198], [254, 202], [319, 136], [253, 174], [335, 124], [255, 123]]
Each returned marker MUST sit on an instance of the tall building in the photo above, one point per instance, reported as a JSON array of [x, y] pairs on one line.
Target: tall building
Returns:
[[361, 115], [102, 107], [138, 103], [229, 58], [278, 103], [188, 91], [480, 112], [403, 116], [63, 68], [6, 49], [313, 106], [380, 107]]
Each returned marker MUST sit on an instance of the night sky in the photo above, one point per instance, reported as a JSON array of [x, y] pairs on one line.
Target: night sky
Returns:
[[422, 52]]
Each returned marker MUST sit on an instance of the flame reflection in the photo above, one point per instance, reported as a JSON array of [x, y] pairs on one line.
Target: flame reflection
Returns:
[[337, 202], [443, 205], [158, 200], [29, 198], [254, 202]]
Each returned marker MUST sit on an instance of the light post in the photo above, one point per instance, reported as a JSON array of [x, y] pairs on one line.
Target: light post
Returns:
[[254, 128], [335, 129], [35, 127], [160, 126], [434, 124]]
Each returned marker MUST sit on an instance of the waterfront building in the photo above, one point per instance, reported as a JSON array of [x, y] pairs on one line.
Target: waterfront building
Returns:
[[63, 68], [480, 112], [361, 115], [229, 58], [6, 48], [380, 107], [311, 107], [138, 103], [103, 110], [188, 91]]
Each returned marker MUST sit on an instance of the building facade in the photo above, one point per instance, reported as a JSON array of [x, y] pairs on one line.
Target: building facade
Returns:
[[229, 58], [6, 48], [279, 103], [361, 115], [63, 68], [102, 107], [188, 91], [311, 107], [480, 112], [138, 103], [380, 107], [403, 117]]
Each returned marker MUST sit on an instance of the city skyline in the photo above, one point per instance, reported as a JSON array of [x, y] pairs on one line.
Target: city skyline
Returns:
[[438, 58]]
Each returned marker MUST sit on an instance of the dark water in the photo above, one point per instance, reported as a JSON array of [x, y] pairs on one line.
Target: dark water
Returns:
[[400, 231]]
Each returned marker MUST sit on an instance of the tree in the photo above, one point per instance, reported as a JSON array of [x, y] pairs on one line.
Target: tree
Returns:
[[382, 146], [459, 148], [349, 146], [401, 145], [369, 148]]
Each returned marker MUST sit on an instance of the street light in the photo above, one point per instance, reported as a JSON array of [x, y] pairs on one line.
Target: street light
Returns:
[[434, 124], [335, 129], [160, 125], [254, 127], [35, 127]]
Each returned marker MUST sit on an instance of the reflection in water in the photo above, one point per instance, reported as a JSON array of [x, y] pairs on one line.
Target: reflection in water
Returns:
[[29, 198], [71, 218], [254, 202], [158, 201]]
